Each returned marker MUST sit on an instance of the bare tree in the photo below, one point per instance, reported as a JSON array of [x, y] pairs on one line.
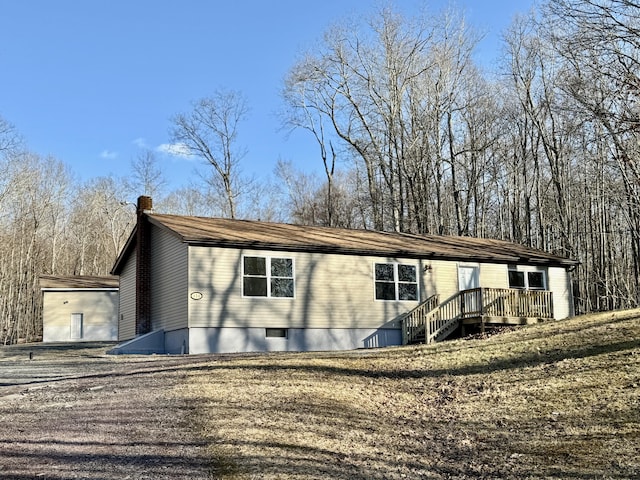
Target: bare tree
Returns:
[[391, 91], [210, 132], [298, 189], [31, 239], [598, 42], [306, 197], [457, 85], [304, 109], [148, 178], [357, 81], [100, 223], [10, 139], [189, 200]]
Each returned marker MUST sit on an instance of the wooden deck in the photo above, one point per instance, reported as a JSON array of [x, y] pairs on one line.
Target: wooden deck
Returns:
[[434, 321]]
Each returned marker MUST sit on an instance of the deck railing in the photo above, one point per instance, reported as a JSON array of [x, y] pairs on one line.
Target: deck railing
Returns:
[[415, 322], [430, 318], [506, 302]]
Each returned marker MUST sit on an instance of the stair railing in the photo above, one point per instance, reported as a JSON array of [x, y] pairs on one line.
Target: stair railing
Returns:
[[432, 319], [414, 323], [445, 318]]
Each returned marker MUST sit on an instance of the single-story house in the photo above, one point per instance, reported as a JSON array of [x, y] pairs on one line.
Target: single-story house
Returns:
[[198, 285], [79, 308]]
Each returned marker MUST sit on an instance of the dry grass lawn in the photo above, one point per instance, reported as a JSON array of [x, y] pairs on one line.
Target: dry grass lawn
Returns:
[[558, 400]]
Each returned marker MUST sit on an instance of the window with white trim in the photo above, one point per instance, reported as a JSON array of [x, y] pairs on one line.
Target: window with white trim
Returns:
[[267, 277], [527, 278], [395, 281]]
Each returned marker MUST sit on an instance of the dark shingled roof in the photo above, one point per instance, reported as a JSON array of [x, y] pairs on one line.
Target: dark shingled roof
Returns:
[[79, 282], [277, 236]]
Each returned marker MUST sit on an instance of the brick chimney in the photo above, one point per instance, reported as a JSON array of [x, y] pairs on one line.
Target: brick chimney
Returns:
[[143, 266]]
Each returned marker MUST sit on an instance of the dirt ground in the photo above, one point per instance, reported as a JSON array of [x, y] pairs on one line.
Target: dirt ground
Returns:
[[75, 412]]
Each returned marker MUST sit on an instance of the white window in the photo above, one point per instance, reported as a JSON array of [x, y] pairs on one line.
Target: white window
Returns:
[[396, 281], [527, 278], [267, 277]]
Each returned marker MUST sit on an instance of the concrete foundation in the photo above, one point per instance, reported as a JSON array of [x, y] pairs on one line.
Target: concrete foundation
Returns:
[[236, 340], [230, 340], [144, 344]]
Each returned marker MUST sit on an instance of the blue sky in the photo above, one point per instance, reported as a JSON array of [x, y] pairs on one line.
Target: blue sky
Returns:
[[93, 82]]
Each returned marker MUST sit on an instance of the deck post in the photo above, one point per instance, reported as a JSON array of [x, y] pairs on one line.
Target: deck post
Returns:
[[405, 336]]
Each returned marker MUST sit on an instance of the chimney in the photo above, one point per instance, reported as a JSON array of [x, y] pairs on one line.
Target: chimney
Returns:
[[143, 266]]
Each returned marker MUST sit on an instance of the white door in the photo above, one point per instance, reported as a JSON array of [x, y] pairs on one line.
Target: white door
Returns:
[[468, 277], [76, 326]]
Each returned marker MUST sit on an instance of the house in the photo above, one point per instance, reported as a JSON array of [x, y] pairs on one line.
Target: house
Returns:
[[197, 285], [79, 308]]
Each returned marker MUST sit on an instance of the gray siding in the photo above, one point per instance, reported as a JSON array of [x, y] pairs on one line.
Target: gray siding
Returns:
[[99, 311], [127, 317], [169, 300], [332, 291]]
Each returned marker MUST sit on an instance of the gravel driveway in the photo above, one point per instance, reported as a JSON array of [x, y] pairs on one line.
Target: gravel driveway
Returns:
[[71, 411]]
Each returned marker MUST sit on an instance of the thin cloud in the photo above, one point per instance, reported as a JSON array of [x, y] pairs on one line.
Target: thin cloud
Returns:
[[108, 155], [141, 142], [175, 150]]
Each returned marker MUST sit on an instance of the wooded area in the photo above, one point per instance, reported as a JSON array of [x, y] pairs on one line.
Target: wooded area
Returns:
[[544, 153], [413, 136]]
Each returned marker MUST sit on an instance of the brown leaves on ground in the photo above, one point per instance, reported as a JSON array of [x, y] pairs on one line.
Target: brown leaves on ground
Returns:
[[551, 401]]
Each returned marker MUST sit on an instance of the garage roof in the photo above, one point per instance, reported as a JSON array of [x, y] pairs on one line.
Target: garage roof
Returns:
[[78, 282]]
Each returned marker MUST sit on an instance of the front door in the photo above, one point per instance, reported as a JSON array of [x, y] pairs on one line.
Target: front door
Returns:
[[468, 277]]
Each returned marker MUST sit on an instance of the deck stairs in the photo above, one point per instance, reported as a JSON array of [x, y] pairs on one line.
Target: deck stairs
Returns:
[[430, 321], [433, 321]]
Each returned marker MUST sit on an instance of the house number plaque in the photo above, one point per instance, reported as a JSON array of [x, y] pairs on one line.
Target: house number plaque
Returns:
[[196, 295]]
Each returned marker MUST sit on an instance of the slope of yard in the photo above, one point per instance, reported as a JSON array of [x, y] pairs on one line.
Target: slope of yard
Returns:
[[559, 400]]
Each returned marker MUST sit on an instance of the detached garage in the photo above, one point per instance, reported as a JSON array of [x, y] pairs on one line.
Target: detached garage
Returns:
[[79, 308]]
